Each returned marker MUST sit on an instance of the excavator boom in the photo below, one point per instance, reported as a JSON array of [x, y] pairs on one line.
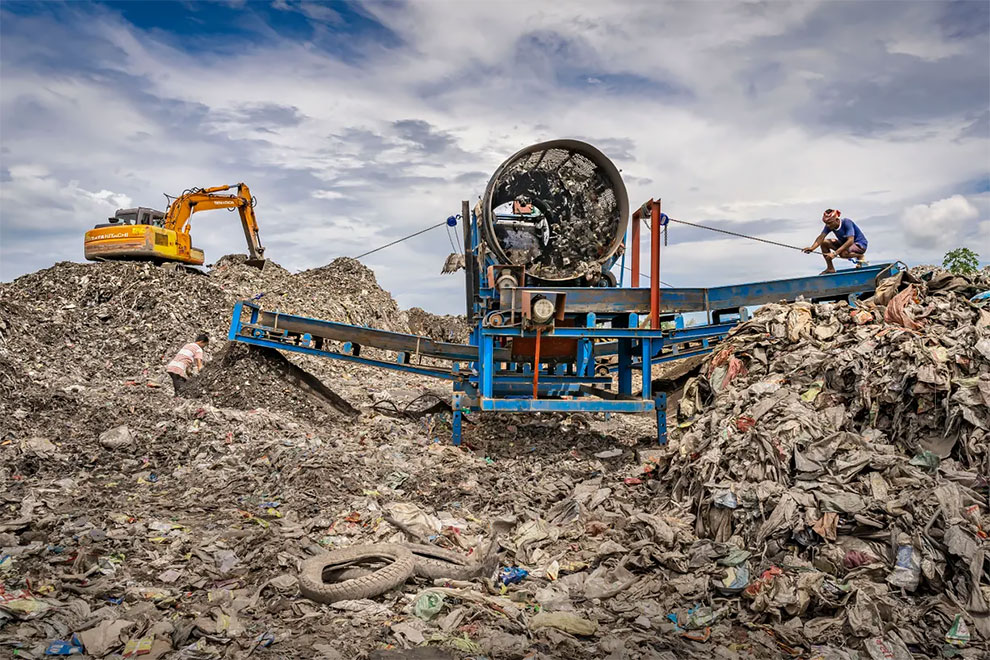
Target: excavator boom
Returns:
[[167, 239]]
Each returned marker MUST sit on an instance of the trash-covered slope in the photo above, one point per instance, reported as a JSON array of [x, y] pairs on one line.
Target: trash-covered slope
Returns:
[[439, 327], [129, 514], [73, 323], [838, 458]]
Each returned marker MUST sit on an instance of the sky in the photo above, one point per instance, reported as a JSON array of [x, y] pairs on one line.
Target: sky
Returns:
[[356, 124]]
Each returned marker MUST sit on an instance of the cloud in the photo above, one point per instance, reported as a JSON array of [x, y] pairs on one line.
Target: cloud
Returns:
[[328, 194], [940, 223], [425, 137], [360, 125], [931, 49]]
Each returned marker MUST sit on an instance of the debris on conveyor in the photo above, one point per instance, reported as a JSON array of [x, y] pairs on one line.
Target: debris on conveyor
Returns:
[[243, 376], [577, 191]]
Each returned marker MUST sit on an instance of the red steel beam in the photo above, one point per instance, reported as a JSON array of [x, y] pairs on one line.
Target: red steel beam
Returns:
[[634, 280], [654, 265]]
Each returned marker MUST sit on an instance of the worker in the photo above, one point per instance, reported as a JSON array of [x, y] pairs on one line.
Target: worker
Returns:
[[522, 206], [849, 241], [189, 354]]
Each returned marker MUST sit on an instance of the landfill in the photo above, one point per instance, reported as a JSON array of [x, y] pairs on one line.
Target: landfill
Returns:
[[824, 493]]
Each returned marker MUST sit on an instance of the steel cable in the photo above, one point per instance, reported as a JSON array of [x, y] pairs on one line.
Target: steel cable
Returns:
[[404, 238], [642, 274], [731, 233]]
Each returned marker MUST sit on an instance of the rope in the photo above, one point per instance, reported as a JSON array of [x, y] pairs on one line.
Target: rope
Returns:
[[405, 238], [451, 240], [642, 274], [731, 233]]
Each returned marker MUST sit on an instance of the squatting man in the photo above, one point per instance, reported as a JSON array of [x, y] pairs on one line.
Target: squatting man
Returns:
[[849, 241], [183, 361]]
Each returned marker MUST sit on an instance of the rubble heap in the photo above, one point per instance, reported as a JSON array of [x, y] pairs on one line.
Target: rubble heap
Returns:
[[823, 496], [73, 323], [837, 459], [438, 327]]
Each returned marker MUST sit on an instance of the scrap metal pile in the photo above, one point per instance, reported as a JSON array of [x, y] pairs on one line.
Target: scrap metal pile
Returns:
[[824, 494]]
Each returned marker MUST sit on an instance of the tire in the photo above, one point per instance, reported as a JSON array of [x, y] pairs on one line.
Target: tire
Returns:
[[332, 577], [433, 562]]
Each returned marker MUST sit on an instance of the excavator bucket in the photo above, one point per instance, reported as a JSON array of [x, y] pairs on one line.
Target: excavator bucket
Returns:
[[257, 263]]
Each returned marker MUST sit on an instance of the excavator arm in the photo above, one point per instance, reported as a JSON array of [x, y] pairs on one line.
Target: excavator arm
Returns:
[[181, 209]]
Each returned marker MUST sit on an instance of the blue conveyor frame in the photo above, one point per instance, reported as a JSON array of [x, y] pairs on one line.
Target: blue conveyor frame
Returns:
[[602, 322]]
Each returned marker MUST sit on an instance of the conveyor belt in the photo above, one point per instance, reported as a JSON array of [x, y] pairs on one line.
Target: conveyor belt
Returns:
[[293, 332], [605, 301], [371, 337], [293, 326]]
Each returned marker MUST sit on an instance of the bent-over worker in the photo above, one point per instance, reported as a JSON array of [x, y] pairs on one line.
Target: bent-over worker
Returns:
[[191, 353], [849, 241]]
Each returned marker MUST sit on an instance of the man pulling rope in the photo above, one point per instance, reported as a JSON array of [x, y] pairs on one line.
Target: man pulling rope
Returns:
[[849, 241]]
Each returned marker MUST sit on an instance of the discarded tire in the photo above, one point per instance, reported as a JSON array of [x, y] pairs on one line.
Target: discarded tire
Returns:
[[328, 578], [433, 562]]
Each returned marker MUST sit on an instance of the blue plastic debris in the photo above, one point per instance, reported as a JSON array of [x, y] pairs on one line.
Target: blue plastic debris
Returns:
[[264, 640], [512, 575], [59, 647]]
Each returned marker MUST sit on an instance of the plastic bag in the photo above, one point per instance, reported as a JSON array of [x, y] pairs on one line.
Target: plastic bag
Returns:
[[907, 568], [428, 604]]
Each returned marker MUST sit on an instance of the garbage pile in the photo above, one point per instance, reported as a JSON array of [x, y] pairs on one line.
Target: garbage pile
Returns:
[[837, 460], [74, 322], [438, 327], [824, 494]]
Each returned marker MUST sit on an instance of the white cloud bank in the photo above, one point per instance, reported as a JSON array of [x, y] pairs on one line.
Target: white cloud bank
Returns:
[[939, 224], [740, 112]]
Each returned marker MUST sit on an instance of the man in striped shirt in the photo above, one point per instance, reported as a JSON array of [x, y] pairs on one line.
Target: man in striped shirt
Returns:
[[191, 353]]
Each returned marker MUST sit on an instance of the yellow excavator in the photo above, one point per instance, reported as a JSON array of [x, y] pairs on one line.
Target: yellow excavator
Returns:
[[146, 234]]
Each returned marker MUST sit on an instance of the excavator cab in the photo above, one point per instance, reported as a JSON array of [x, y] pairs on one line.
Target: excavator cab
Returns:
[[139, 216]]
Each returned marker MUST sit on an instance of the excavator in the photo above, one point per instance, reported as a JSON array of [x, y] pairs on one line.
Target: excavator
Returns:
[[146, 234]]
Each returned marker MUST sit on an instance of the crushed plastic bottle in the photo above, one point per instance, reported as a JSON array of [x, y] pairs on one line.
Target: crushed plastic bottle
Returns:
[[736, 579], [59, 647], [907, 567]]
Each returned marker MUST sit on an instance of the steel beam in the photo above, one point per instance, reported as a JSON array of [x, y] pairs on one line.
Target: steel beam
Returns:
[[655, 264], [395, 366], [567, 405], [470, 261], [605, 300]]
